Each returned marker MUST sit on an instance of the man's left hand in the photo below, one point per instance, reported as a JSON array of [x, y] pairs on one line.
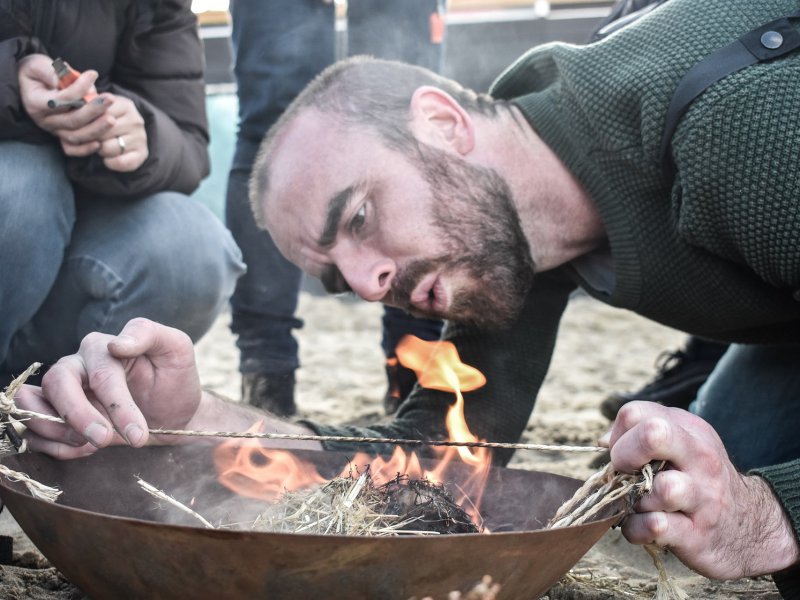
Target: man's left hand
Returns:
[[719, 522]]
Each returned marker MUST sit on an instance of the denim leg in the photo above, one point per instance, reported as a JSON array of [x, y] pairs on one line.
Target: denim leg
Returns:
[[279, 46], [38, 211], [165, 257], [752, 399], [265, 299]]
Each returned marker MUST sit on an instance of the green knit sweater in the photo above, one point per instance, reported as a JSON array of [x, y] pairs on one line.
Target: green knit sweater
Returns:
[[716, 252]]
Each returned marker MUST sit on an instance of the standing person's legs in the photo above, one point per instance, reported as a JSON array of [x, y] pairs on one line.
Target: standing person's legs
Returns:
[[279, 46], [165, 257], [38, 211], [752, 399]]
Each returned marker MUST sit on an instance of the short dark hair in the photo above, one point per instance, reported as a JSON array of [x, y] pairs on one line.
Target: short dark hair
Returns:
[[364, 92]]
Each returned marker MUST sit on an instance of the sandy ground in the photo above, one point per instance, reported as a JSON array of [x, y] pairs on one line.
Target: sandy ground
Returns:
[[600, 349]]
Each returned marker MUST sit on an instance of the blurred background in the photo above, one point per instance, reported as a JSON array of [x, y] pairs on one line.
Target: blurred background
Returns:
[[483, 38]]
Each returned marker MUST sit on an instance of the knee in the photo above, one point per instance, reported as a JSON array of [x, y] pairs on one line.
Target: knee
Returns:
[[193, 266], [198, 243], [165, 257]]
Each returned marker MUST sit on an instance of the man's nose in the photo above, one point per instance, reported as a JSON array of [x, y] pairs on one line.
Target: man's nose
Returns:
[[370, 279]]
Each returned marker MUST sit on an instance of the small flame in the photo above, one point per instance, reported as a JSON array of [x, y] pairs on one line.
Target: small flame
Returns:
[[251, 470], [438, 365]]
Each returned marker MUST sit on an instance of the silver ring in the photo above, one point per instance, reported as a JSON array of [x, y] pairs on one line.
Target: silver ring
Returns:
[[121, 144]]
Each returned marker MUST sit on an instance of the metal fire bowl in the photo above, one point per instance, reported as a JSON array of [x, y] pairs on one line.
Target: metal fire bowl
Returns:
[[109, 537]]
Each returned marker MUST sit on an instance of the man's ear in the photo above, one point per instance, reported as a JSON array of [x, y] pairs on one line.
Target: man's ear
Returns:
[[439, 120]]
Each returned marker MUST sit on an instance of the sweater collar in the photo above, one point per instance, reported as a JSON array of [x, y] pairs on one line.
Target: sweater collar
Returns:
[[542, 111]]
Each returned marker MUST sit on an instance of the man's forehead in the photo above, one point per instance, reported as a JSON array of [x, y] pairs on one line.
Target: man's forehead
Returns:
[[310, 165], [302, 148], [299, 164]]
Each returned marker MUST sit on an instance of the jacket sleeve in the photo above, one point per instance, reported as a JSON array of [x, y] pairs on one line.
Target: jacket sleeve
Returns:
[[784, 479], [159, 66], [14, 121], [514, 361]]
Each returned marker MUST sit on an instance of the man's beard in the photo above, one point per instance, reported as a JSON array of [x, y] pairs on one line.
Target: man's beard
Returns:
[[477, 219]]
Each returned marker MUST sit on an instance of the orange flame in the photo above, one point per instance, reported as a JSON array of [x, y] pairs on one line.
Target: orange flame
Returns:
[[251, 470], [438, 365]]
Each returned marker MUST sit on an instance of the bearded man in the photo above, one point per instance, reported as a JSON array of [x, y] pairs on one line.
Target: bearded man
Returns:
[[398, 185]]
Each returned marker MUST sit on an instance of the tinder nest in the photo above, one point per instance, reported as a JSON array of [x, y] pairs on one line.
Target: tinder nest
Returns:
[[354, 505]]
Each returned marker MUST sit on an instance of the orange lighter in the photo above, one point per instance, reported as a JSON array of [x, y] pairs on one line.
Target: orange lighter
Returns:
[[66, 77]]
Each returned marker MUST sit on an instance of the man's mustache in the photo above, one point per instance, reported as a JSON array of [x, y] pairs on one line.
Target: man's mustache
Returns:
[[408, 278]]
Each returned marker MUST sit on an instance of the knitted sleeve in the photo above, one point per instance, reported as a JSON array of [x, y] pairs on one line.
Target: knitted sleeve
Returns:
[[514, 361], [785, 482]]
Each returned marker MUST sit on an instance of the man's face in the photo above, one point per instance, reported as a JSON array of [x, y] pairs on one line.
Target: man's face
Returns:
[[428, 233]]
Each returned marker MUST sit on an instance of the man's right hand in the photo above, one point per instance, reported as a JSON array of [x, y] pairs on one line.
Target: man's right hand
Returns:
[[114, 389]]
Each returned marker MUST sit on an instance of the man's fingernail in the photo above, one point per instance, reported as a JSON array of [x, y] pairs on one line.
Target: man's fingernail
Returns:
[[660, 523], [605, 439], [99, 100], [96, 433], [74, 438], [133, 434], [124, 340]]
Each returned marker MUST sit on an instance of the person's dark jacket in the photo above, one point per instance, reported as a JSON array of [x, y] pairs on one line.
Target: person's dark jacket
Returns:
[[146, 50]]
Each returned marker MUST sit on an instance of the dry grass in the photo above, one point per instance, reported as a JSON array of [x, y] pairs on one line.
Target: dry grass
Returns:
[[354, 505]]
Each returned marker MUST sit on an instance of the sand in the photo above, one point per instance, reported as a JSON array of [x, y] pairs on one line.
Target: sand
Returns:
[[599, 350]]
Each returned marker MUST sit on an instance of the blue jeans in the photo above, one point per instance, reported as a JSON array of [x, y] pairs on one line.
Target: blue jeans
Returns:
[[752, 399], [279, 46], [71, 265]]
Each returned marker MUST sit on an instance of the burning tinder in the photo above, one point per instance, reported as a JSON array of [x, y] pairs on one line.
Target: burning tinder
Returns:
[[390, 496], [356, 506]]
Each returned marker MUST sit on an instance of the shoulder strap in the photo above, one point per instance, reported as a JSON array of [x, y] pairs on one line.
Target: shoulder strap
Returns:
[[771, 40]]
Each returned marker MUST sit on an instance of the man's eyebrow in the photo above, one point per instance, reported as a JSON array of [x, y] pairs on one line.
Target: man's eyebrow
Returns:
[[336, 206]]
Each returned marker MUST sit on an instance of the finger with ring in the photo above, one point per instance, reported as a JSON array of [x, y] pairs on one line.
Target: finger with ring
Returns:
[[121, 143]]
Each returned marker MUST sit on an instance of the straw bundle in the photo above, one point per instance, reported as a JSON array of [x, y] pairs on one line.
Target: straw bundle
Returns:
[[356, 506]]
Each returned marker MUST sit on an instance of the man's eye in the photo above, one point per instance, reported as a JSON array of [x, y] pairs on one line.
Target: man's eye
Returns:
[[358, 220]]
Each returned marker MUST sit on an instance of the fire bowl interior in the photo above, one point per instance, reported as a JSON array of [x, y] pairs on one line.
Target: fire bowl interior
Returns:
[[114, 541]]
